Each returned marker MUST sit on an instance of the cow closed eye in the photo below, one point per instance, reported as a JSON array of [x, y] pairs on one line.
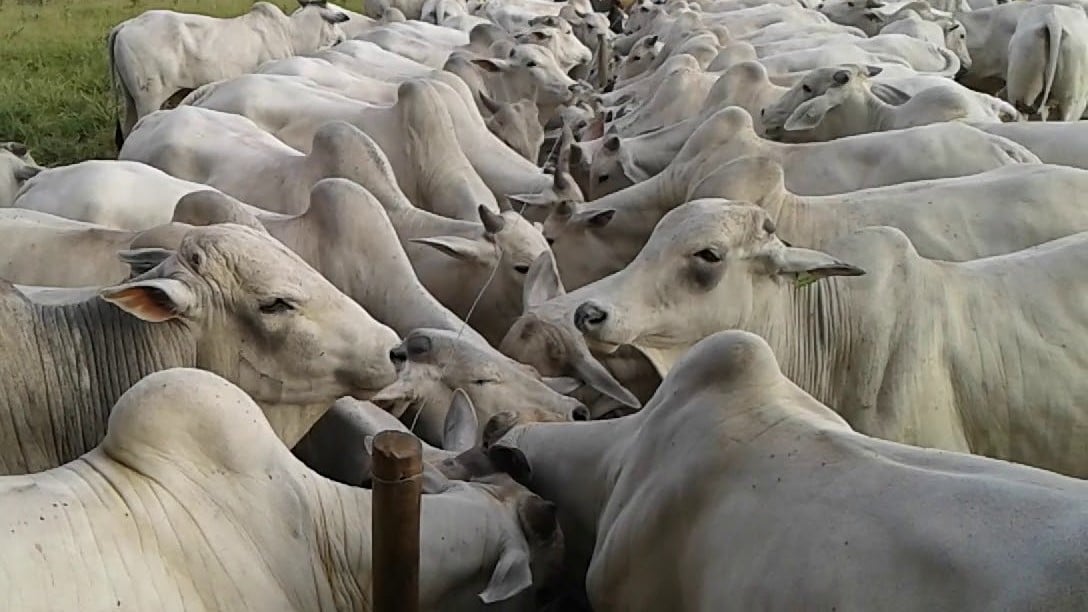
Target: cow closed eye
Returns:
[[806, 89], [484, 381], [709, 255], [276, 306]]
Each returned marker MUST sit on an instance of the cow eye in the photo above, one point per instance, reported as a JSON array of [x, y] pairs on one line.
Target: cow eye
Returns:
[[276, 306], [709, 255], [521, 269], [602, 178], [531, 64], [806, 89]]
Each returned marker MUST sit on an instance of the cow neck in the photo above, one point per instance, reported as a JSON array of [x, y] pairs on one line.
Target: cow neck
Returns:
[[812, 335], [658, 195], [883, 112], [90, 353], [458, 518], [576, 465]]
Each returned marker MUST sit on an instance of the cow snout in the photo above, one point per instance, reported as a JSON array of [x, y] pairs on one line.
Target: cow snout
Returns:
[[581, 413], [589, 317], [398, 355]]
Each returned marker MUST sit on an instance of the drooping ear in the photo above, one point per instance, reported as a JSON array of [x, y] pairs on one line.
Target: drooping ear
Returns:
[[564, 385], [539, 519], [596, 218], [457, 247], [511, 461], [334, 16], [17, 149], [25, 173], [140, 261], [461, 426], [533, 199], [542, 282], [434, 481], [511, 575], [810, 113], [632, 169], [810, 266], [889, 94], [592, 373], [489, 64], [152, 299]]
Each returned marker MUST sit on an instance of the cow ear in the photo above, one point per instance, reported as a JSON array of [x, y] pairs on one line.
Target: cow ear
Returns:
[[597, 218], [631, 169], [26, 173], [564, 385], [434, 481], [489, 64], [152, 299], [810, 113], [141, 261], [334, 16], [542, 282], [17, 149], [511, 575], [889, 94], [461, 425], [810, 266], [457, 247]]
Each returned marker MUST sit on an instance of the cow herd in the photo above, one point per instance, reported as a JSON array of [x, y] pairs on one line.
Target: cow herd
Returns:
[[694, 305]]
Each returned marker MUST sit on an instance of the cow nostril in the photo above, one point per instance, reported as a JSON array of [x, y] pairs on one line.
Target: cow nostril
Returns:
[[588, 317], [762, 112], [398, 355], [581, 413]]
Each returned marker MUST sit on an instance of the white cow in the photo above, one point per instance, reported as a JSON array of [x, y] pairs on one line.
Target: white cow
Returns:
[[837, 101], [16, 168], [187, 459], [1048, 61], [229, 300], [118, 194], [155, 56], [734, 489], [916, 373], [870, 160]]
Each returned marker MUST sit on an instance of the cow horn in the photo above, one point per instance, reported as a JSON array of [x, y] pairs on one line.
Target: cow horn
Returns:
[[565, 140], [493, 222]]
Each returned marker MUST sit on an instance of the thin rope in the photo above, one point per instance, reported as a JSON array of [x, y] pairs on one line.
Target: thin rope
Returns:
[[498, 260]]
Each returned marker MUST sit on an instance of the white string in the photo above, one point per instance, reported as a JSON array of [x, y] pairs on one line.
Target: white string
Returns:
[[498, 259]]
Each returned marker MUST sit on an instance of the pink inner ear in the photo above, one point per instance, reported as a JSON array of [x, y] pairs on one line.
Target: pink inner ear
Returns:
[[144, 302]]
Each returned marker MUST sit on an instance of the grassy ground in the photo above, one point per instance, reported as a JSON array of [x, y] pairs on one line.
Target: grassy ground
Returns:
[[54, 86]]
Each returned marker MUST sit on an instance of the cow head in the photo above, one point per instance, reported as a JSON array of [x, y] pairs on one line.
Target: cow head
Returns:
[[710, 265]]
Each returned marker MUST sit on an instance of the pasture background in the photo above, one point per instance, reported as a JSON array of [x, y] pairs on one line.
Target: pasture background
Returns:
[[54, 84]]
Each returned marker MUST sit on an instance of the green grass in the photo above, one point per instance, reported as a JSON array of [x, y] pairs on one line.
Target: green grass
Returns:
[[54, 85]]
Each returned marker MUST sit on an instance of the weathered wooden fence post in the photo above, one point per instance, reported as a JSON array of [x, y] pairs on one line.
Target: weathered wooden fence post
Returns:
[[398, 484]]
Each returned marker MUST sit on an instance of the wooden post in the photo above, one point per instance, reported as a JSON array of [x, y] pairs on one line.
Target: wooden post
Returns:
[[398, 484]]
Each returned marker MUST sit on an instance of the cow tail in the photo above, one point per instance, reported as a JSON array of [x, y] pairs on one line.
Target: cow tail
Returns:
[[1054, 32]]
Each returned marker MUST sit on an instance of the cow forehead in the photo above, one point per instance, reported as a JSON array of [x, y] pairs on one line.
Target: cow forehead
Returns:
[[257, 258], [718, 221]]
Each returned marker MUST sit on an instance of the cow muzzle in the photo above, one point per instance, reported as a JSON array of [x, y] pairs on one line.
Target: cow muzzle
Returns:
[[589, 317]]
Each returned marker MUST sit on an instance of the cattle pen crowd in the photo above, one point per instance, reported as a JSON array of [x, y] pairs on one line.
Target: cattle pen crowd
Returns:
[[688, 305]]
